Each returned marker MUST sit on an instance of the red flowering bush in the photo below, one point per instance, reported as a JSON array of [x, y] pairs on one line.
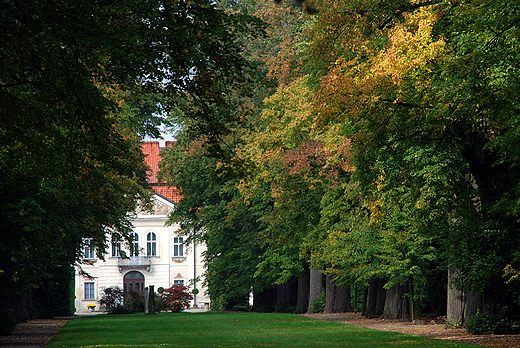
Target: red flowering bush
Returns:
[[176, 298]]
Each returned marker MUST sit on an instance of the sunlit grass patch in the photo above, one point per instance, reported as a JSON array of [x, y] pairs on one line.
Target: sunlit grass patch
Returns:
[[213, 329]]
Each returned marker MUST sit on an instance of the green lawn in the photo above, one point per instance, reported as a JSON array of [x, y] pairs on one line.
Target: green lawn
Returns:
[[211, 329]]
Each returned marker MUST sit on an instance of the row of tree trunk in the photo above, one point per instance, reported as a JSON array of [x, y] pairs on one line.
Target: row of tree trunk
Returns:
[[391, 303]]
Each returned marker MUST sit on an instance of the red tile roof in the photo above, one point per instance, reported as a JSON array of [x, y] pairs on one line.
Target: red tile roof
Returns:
[[152, 151]]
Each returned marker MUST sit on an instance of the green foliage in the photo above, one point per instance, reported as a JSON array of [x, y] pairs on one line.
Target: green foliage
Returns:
[[213, 211], [53, 296], [318, 306], [388, 150], [487, 324], [113, 299], [133, 301], [424, 106], [8, 323], [217, 304], [118, 301], [81, 84], [286, 164]]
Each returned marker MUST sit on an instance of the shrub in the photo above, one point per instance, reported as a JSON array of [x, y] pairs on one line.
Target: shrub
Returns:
[[176, 298], [120, 310], [241, 307], [112, 298], [134, 301], [8, 322], [217, 303], [486, 324], [161, 304], [118, 301], [318, 305], [286, 307]]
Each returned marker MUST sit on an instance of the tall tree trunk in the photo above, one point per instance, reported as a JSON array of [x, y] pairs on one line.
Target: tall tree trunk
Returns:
[[342, 300], [365, 299], [265, 300], [315, 285], [371, 298], [412, 299], [462, 304], [283, 292], [302, 302], [20, 309], [286, 295], [330, 295], [381, 297], [397, 304], [375, 298]]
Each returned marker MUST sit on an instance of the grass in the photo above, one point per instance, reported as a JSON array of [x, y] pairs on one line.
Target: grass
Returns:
[[213, 329]]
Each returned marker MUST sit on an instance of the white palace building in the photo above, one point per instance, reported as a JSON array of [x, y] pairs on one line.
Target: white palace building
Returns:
[[163, 259]]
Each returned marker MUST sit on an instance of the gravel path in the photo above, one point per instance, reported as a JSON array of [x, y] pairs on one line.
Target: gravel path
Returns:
[[33, 334], [435, 330]]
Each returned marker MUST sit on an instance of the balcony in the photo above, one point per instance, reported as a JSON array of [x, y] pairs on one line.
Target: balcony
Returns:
[[135, 262]]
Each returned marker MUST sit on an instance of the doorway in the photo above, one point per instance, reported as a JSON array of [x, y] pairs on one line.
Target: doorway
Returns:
[[134, 280]]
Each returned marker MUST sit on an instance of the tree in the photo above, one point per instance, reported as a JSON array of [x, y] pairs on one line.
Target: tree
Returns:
[[388, 158], [79, 82], [177, 298], [63, 148], [212, 211], [419, 77]]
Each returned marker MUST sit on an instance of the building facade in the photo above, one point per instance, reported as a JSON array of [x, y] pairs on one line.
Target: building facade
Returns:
[[162, 258]]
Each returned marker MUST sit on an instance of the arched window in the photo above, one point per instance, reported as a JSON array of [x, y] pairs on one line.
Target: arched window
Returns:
[[134, 250], [151, 244], [116, 247]]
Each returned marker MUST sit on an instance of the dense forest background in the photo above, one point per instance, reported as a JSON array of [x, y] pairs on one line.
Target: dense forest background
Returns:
[[333, 155]]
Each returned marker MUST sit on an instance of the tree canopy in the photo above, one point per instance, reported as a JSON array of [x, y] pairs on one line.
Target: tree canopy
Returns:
[[388, 148], [80, 83], [366, 139]]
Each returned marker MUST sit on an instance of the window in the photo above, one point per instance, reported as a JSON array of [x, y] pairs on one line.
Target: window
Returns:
[[151, 244], [88, 250], [134, 250], [178, 247], [178, 282], [116, 248], [90, 293]]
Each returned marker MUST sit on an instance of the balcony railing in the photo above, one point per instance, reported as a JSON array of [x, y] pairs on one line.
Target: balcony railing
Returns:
[[136, 262]]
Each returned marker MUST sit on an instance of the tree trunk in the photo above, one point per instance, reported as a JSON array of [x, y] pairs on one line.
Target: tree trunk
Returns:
[[397, 304], [342, 301], [315, 285], [286, 296], [462, 304], [412, 299], [375, 298], [302, 302], [264, 301], [381, 297], [20, 312], [283, 292], [371, 298], [330, 295], [364, 305]]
